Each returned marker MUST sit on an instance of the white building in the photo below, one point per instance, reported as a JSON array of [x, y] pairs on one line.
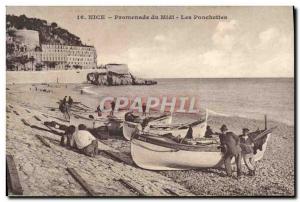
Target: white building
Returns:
[[68, 57]]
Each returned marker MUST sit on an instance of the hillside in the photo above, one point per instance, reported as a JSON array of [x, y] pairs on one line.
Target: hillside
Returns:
[[48, 32]]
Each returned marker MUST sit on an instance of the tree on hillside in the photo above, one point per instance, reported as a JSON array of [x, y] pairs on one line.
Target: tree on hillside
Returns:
[[67, 66], [22, 60], [10, 48], [77, 66], [50, 64], [11, 32], [46, 32], [53, 25], [10, 64], [31, 59], [39, 66]]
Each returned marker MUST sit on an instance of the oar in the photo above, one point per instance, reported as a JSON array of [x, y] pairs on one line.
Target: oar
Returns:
[[191, 124], [84, 105]]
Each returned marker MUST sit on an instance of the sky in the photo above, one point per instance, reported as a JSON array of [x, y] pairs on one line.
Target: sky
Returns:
[[251, 42]]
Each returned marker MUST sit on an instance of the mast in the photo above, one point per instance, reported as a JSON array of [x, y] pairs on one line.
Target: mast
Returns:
[[266, 122]]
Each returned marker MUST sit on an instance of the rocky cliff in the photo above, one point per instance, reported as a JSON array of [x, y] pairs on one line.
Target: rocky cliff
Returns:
[[116, 75]]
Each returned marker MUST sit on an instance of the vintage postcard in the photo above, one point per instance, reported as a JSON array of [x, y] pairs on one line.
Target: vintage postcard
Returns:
[[150, 101]]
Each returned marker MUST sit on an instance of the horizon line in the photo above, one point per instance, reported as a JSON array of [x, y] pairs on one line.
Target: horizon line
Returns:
[[220, 77]]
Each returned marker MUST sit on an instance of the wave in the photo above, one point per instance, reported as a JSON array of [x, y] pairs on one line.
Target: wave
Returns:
[[216, 113], [87, 89]]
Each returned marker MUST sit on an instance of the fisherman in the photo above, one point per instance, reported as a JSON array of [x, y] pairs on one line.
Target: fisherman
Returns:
[[85, 142], [230, 145], [67, 135], [70, 101], [247, 151], [65, 108], [189, 134], [98, 110], [113, 105], [130, 117], [208, 132], [144, 109], [64, 101], [62, 104]]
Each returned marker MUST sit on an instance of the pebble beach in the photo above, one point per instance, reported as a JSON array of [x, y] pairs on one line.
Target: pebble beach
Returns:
[[42, 170]]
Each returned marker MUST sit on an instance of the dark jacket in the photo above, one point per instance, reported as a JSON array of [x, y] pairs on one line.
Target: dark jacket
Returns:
[[70, 101], [246, 145], [208, 133], [189, 134], [231, 142]]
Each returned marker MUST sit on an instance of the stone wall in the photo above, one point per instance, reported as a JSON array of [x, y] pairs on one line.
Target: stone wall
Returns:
[[51, 76], [30, 38]]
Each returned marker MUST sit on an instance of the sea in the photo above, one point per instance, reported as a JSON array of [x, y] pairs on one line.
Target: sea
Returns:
[[243, 97]]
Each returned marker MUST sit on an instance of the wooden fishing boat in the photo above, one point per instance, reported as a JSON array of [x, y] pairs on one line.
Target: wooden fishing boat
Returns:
[[155, 152], [179, 130], [130, 127], [162, 127], [90, 122], [113, 124]]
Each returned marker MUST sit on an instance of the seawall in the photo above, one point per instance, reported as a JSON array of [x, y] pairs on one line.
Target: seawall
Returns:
[[50, 76]]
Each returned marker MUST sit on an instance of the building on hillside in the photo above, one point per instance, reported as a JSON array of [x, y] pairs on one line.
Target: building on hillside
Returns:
[[69, 57], [24, 46]]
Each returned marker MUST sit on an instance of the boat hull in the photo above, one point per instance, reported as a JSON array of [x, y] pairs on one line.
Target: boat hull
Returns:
[[89, 123], [153, 156]]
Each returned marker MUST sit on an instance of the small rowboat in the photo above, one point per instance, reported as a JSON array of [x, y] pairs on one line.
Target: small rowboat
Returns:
[[179, 130], [130, 127], [114, 125], [155, 152], [160, 128], [89, 122]]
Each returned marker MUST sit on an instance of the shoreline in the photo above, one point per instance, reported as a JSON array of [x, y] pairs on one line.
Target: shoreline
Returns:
[[85, 88], [42, 171]]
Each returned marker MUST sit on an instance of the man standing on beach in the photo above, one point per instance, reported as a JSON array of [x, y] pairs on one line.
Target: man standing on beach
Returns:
[[247, 151], [70, 101], [230, 144], [113, 105], [64, 101], [66, 109], [144, 109], [98, 110]]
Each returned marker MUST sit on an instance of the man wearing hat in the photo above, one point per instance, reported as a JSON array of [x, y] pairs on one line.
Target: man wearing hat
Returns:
[[231, 147], [247, 151]]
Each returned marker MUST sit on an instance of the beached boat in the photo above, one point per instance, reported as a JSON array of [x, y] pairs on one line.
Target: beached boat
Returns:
[[89, 121], [161, 127], [130, 127], [83, 114], [155, 152], [179, 130]]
